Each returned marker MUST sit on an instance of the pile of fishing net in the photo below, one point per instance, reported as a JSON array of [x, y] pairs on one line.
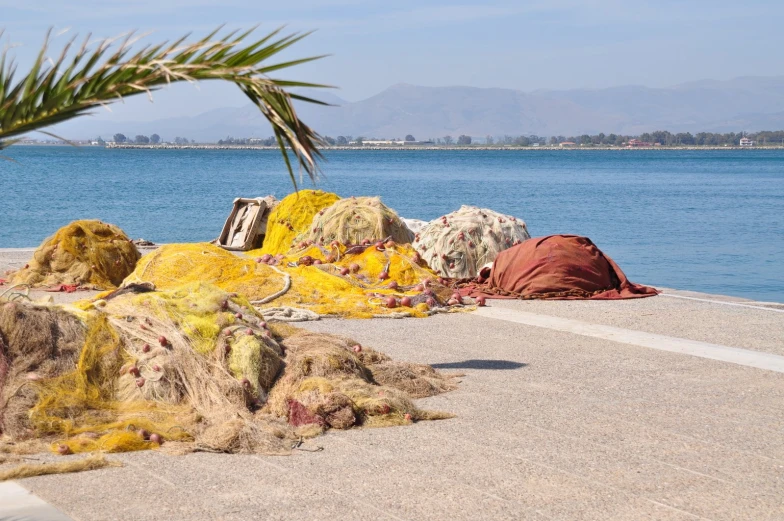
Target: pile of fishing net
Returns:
[[360, 281], [174, 265], [356, 219], [336, 280], [292, 218], [332, 381], [459, 244], [36, 343], [194, 367], [84, 253], [555, 267]]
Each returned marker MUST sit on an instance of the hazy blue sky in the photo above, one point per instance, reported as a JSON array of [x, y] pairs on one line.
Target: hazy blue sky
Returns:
[[555, 44]]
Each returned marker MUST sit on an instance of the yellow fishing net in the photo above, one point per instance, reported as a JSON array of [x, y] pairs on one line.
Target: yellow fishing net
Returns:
[[171, 363], [87, 253], [174, 265], [356, 282], [80, 406], [293, 217], [340, 281]]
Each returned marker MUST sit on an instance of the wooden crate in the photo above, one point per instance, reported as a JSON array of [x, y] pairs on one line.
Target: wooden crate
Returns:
[[247, 224]]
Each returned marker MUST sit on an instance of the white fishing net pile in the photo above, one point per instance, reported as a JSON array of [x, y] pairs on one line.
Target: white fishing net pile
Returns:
[[458, 244]]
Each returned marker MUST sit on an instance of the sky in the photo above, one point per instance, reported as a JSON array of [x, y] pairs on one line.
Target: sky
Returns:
[[555, 44]]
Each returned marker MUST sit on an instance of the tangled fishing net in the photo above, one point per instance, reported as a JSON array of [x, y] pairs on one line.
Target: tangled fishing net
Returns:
[[173, 265], [459, 244], [36, 343], [353, 220], [292, 217], [355, 282], [329, 382], [83, 253], [179, 365], [195, 365], [362, 281]]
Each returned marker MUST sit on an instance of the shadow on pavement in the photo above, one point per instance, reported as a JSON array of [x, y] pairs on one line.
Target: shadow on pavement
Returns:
[[480, 364]]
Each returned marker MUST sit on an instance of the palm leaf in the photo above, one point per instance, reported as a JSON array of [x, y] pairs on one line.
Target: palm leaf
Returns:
[[70, 87]]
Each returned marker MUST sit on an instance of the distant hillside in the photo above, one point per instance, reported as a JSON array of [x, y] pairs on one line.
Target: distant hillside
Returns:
[[748, 103]]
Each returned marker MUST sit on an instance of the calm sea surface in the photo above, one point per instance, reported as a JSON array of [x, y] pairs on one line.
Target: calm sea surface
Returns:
[[710, 221]]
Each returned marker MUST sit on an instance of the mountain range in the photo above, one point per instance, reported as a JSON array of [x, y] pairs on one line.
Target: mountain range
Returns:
[[740, 104]]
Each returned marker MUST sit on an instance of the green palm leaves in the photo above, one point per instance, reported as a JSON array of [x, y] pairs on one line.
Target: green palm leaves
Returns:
[[73, 84]]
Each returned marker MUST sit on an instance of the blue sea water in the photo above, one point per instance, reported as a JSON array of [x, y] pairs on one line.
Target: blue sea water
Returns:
[[710, 221]]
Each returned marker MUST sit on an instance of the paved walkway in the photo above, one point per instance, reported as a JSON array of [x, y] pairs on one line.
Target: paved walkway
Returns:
[[555, 420]]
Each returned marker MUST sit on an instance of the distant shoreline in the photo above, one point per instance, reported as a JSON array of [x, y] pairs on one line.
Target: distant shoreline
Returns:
[[209, 146]]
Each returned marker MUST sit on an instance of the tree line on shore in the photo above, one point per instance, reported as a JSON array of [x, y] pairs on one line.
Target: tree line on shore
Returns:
[[666, 138], [661, 137], [140, 139]]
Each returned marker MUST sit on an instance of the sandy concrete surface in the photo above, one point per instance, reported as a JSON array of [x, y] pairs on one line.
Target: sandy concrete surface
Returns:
[[549, 425]]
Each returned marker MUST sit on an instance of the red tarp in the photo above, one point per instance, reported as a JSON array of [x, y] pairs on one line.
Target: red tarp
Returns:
[[560, 267]]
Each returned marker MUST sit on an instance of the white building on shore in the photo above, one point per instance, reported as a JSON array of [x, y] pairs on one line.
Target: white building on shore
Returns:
[[746, 142]]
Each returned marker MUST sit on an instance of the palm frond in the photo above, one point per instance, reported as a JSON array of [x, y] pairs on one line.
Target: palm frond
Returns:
[[65, 88]]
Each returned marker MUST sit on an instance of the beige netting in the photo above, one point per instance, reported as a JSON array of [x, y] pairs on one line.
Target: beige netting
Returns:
[[36, 343], [459, 244], [194, 366], [327, 384], [83, 253], [353, 220], [173, 365]]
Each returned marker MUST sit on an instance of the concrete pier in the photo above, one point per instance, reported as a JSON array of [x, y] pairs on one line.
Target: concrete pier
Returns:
[[664, 408]]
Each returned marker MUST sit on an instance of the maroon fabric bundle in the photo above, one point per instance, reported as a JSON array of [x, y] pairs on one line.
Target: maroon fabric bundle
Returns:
[[556, 267]]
